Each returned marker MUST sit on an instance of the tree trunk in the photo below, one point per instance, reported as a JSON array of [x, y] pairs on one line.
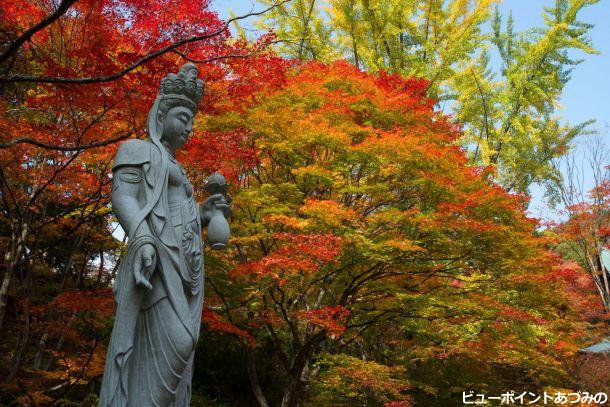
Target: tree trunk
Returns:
[[18, 356], [600, 279], [6, 283], [297, 385], [297, 373], [78, 241], [290, 394], [100, 270], [254, 383], [42, 344], [60, 343], [606, 288], [12, 258]]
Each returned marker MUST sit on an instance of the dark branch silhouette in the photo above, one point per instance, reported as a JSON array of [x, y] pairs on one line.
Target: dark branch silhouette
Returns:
[[15, 45], [141, 61], [48, 146], [221, 57]]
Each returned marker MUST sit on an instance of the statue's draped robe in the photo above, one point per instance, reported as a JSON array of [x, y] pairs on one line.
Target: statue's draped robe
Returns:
[[150, 355]]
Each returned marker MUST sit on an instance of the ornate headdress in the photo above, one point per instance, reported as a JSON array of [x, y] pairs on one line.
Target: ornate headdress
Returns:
[[183, 88]]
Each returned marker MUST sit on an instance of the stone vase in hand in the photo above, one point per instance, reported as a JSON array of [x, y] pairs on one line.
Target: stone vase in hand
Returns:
[[215, 211]]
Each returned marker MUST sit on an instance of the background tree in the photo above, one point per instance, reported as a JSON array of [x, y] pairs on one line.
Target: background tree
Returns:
[[583, 234], [508, 108], [373, 258], [368, 255]]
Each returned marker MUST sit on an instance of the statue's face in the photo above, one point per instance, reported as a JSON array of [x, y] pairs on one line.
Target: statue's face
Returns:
[[177, 125]]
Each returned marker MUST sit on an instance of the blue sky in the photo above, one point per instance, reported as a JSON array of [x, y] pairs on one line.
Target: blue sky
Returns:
[[585, 96]]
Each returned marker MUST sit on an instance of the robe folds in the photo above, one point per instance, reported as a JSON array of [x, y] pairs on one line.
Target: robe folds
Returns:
[[155, 332]]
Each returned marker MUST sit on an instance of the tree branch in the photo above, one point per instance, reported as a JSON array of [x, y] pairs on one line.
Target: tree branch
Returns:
[[48, 146], [141, 61], [15, 45]]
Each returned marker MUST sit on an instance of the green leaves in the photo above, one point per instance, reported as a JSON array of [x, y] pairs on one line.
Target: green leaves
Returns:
[[508, 107], [361, 230], [510, 116]]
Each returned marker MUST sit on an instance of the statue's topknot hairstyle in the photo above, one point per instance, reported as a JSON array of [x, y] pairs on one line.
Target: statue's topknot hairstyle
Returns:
[[183, 87]]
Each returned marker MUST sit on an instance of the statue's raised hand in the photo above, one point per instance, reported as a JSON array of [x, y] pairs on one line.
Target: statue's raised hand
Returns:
[[145, 262], [214, 213], [215, 202]]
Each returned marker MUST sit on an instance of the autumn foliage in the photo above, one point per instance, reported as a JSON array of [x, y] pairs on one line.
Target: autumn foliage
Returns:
[[68, 94], [361, 224], [369, 263]]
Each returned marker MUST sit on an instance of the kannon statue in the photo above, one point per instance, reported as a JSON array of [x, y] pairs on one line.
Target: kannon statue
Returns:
[[159, 284]]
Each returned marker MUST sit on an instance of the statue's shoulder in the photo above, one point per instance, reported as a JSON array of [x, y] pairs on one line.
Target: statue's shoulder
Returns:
[[133, 152]]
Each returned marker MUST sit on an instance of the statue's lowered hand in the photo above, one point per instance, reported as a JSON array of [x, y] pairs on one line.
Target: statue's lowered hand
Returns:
[[146, 260]]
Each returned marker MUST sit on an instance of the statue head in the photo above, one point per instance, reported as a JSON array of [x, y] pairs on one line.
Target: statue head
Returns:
[[171, 118]]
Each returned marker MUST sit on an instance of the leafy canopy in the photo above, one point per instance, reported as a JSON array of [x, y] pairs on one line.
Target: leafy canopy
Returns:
[[361, 224], [508, 108]]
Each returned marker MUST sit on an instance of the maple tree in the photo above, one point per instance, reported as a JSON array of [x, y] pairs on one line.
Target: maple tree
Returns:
[[361, 231], [583, 237], [584, 233], [580, 237]]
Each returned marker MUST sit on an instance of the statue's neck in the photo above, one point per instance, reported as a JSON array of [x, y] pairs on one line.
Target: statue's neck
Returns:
[[170, 150]]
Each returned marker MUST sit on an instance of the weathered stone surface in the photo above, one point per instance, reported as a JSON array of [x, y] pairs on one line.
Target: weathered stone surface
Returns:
[[159, 285]]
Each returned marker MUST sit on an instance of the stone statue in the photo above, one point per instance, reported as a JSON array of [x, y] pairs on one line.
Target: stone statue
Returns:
[[159, 285]]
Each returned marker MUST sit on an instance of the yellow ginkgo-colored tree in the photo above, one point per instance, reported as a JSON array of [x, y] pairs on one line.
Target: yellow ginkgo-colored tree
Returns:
[[507, 104]]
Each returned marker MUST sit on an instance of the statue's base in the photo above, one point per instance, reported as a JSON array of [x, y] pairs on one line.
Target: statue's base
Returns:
[[218, 246]]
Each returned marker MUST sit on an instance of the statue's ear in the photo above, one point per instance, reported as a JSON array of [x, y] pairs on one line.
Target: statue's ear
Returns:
[[159, 119]]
